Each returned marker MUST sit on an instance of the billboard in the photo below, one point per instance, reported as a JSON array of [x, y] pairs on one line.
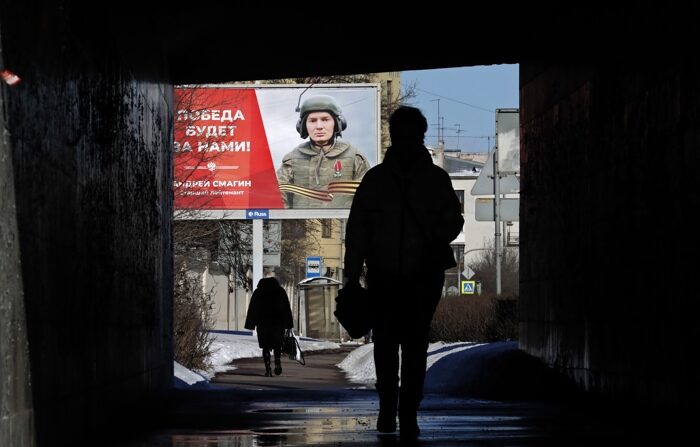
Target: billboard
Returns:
[[271, 146]]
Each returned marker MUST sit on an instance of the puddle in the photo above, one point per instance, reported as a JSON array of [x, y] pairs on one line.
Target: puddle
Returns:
[[306, 410]]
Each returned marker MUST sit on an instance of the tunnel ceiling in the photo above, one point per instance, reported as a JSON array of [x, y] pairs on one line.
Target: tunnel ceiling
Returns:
[[208, 42], [223, 44]]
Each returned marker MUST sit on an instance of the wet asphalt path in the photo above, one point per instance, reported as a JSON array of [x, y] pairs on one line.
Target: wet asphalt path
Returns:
[[315, 405], [319, 372]]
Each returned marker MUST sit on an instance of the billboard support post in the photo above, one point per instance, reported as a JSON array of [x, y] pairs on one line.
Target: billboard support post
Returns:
[[257, 251]]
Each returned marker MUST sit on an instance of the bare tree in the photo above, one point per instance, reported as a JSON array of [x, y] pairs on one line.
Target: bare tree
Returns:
[[485, 271], [228, 242], [299, 240]]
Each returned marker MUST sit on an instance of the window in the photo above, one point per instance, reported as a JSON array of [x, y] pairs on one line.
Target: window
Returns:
[[460, 196], [326, 228]]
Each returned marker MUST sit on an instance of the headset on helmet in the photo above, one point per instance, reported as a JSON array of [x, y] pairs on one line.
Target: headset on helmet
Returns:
[[321, 103]]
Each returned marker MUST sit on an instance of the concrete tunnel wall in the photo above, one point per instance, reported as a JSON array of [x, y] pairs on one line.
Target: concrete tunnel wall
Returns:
[[603, 286], [16, 409], [610, 157], [89, 138]]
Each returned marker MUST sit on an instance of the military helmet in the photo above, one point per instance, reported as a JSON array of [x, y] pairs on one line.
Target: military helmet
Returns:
[[321, 103]]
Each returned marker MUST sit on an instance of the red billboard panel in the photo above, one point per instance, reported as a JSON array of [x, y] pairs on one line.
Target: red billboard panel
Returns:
[[273, 146], [222, 159]]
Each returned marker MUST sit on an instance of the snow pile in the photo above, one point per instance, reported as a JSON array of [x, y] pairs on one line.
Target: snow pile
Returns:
[[228, 347], [359, 364], [185, 378]]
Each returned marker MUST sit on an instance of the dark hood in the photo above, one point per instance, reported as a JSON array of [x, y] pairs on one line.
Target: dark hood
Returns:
[[268, 283]]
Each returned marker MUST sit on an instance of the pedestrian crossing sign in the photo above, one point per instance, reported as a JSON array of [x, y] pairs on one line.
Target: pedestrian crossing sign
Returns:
[[468, 287]]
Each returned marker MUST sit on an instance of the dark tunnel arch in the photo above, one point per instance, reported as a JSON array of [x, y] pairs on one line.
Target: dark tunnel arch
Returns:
[[90, 198]]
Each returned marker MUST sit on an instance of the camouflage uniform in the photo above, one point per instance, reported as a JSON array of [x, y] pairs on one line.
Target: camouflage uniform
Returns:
[[307, 166], [310, 178]]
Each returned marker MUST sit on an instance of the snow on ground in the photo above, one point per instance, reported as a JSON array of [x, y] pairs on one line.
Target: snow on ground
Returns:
[[494, 369], [227, 346], [359, 364], [186, 375]]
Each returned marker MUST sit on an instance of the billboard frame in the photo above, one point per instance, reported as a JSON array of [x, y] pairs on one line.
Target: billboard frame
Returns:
[[286, 213]]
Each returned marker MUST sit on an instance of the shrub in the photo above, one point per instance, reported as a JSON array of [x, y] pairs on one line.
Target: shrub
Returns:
[[477, 318], [192, 320]]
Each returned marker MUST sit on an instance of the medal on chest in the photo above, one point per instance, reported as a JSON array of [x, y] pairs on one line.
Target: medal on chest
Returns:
[[337, 169]]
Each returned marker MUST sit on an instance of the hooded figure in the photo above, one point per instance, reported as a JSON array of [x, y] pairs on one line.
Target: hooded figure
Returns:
[[324, 171], [404, 215], [269, 311]]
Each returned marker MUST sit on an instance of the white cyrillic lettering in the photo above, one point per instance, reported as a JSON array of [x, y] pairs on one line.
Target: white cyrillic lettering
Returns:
[[232, 183]]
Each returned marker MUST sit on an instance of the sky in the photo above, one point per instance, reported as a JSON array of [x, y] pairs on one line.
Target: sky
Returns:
[[468, 98], [453, 368]]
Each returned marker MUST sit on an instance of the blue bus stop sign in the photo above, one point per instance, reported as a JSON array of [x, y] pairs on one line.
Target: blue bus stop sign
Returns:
[[313, 266]]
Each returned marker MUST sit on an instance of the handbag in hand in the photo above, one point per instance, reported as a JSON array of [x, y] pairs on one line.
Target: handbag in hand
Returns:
[[290, 346], [353, 309]]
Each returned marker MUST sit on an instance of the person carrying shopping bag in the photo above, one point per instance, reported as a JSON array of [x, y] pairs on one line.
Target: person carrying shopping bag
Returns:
[[270, 314]]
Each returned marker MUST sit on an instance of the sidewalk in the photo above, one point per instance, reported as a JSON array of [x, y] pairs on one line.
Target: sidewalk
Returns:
[[319, 372], [348, 418], [314, 405]]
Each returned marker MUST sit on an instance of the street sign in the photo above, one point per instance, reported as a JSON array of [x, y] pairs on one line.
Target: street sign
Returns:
[[484, 183], [257, 214], [468, 287], [313, 266], [467, 272], [508, 140], [510, 209]]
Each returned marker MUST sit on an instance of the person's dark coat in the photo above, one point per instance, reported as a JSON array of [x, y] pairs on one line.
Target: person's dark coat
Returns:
[[270, 313], [404, 215]]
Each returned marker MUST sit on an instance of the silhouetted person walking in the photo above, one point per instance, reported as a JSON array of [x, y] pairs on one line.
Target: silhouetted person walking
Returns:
[[402, 220], [270, 312]]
